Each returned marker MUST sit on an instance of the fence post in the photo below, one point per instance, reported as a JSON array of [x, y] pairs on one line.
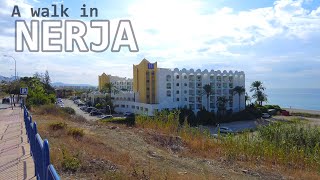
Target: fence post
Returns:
[[33, 146], [46, 158]]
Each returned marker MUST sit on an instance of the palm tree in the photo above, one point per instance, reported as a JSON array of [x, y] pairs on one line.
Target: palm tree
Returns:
[[221, 104], [247, 98], [207, 90], [259, 95], [239, 90], [257, 86], [109, 88]]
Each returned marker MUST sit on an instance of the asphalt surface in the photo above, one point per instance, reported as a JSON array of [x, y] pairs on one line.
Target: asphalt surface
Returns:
[[237, 126], [70, 103]]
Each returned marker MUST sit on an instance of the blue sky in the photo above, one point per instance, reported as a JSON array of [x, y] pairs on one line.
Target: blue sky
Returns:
[[276, 42]]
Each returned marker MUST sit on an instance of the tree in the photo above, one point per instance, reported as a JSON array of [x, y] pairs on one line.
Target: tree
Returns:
[[259, 95], [207, 90], [238, 90], [47, 79], [221, 104], [247, 98], [109, 88]]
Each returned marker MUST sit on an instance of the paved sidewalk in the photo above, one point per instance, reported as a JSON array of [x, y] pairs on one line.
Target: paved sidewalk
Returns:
[[15, 159]]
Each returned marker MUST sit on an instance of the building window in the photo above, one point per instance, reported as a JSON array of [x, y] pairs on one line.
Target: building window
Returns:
[[185, 84], [168, 78], [177, 84], [185, 99], [185, 77], [177, 76], [177, 92], [185, 91], [168, 85], [169, 93], [178, 99]]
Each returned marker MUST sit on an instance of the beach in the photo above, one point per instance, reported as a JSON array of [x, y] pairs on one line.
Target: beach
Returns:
[[302, 111]]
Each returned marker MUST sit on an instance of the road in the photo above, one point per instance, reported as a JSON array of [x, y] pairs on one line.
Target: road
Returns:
[[70, 103], [237, 126]]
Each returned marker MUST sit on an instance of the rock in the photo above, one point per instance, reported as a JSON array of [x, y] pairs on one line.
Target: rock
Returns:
[[184, 172], [245, 171]]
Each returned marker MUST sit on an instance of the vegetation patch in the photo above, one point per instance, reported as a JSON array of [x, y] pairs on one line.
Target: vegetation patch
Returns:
[[69, 162], [309, 115], [291, 145], [57, 125], [69, 110], [76, 132]]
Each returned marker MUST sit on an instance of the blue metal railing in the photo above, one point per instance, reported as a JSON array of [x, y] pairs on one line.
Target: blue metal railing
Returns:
[[39, 150]]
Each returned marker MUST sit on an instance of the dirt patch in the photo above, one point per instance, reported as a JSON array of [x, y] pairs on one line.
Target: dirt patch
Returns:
[[171, 143]]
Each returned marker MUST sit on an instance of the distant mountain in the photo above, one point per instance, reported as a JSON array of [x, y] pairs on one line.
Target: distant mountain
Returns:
[[59, 84], [7, 79]]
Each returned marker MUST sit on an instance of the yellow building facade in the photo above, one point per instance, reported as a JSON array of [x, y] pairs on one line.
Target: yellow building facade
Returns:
[[145, 82], [103, 79]]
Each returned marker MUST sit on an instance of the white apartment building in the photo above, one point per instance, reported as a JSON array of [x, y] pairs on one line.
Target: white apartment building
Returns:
[[119, 83], [160, 88]]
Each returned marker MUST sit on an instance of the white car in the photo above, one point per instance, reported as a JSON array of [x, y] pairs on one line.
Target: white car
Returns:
[[225, 130], [105, 116], [265, 115]]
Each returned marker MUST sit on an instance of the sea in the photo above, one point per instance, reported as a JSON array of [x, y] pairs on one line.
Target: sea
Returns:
[[302, 98]]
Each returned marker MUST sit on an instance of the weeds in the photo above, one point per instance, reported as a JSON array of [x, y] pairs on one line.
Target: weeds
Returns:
[[69, 162], [293, 145], [57, 126], [76, 132]]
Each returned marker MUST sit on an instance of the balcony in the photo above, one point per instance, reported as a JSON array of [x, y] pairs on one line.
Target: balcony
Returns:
[[225, 85]]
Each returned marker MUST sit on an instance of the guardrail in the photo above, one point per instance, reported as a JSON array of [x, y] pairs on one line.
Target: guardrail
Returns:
[[39, 150]]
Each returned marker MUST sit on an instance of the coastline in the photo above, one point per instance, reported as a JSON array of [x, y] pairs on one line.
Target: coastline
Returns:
[[303, 110]]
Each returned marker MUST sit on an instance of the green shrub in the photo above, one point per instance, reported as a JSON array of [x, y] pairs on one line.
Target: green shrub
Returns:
[[76, 132], [276, 107], [98, 106], [262, 109], [187, 114], [57, 125], [69, 110], [70, 163], [205, 117]]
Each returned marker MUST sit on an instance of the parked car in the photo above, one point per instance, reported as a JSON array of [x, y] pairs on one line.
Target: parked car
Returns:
[[95, 113], [81, 104], [106, 116], [127, 113], [5, 100], [265, 115], [225, 130], [83, 108], [89, 109], [285, 113]]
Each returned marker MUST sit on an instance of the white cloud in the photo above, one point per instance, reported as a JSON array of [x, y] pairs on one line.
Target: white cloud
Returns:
[[177, 33], [182, 25]]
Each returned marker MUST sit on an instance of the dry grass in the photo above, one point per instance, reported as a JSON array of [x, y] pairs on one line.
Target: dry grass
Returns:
[[288, 146], [87, 156]]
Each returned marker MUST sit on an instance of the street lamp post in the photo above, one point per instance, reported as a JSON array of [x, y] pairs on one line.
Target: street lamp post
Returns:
[[15, 66], [109, 109]]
